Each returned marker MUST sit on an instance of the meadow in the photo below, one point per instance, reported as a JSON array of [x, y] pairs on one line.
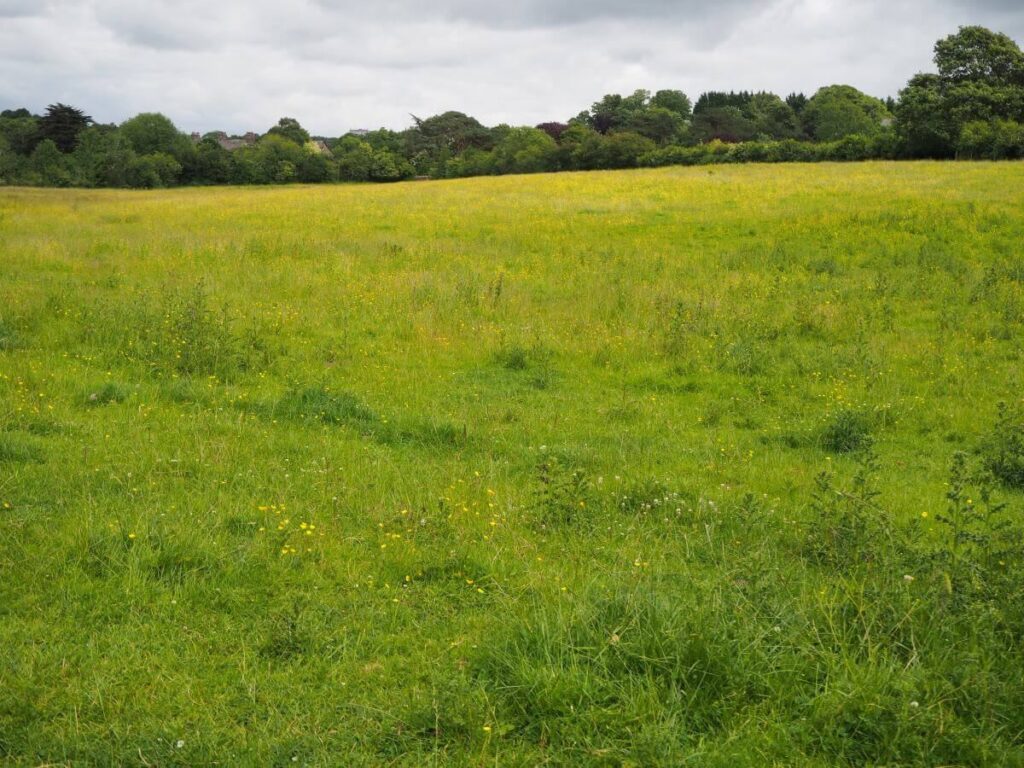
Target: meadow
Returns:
[[707, 466]]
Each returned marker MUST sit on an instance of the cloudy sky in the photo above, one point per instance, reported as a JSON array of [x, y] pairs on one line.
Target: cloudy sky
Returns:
[[238, 65]]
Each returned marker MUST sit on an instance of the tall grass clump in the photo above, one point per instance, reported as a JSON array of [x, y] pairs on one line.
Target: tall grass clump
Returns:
[[10, 337], [1002, 449], [848, 430], [327, 407]]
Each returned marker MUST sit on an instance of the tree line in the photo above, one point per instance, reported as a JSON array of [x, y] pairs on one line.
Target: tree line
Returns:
[[971, 107]]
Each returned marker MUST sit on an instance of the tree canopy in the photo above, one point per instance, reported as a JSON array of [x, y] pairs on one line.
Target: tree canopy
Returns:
[[838, 111], [289, 128], [979, 84]]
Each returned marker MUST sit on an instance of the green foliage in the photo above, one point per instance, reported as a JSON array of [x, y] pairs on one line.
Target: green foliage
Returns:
[[20, 133], [151, 132], [976, 54], [525, 150], [921, 118], [358, 160], [289, 128], [995, 140], [980, 80], [50, 165], [355, 159], [389, 167], [152, 171], [274, 160], [739, 117], [676, 102], [838, 111], [797, 102], [213, 163], [617, 150], [658, 124], [615, 112], [726, 123], [433, 141], [772, 117], [315, 167], [103, 158], [848, 149]]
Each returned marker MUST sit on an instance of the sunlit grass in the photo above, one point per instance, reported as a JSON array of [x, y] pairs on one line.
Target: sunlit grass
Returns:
[[509, 471]]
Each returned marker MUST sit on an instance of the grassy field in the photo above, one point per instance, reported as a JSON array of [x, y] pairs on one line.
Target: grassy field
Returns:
[[681, 467]]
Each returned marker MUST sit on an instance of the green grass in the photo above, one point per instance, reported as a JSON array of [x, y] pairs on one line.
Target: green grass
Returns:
[[680, 467]]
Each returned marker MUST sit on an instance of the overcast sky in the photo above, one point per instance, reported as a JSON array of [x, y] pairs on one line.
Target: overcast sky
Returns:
[[335, 65]]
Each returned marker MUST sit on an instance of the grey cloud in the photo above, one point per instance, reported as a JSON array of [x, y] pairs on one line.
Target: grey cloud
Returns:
[[161, 25], [987, 6], [10, 9], [542, 13]]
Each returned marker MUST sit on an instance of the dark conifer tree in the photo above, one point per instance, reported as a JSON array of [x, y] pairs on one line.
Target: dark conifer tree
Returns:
[[62, 124]]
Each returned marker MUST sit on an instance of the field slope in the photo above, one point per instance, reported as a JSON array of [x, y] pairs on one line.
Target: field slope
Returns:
[[678, 467]]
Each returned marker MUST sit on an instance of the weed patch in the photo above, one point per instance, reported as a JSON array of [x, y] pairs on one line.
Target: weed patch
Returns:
[[183, 334], [1002, 450], [846, 431], [562, 493], [847, 526]]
